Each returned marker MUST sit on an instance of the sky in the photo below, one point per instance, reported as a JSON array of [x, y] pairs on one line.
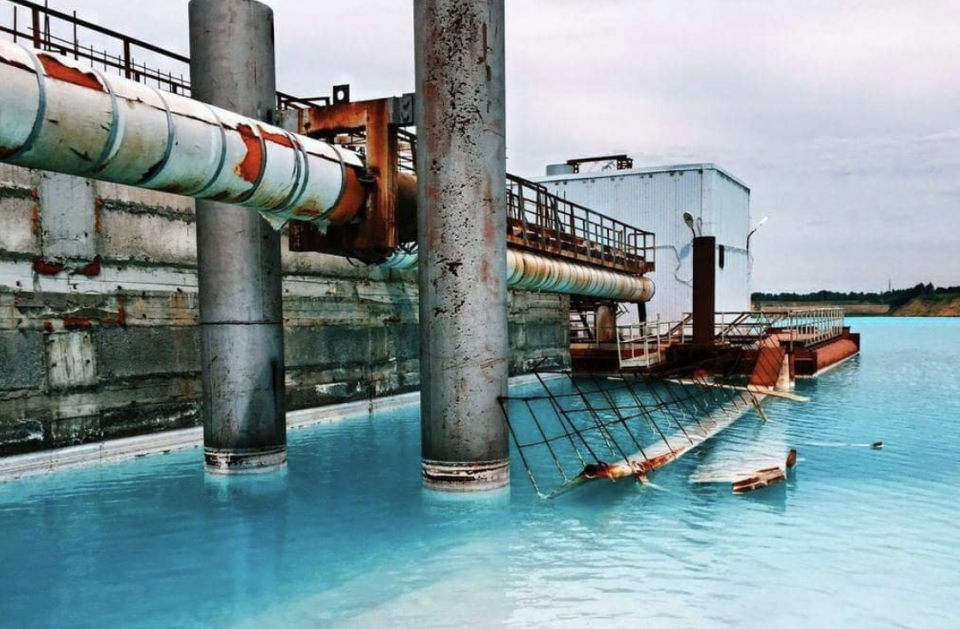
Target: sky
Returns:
[[842, 117]]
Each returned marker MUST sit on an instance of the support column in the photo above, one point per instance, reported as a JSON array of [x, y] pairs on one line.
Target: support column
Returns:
[[605, 320], [461, 167], [704, 289], [238, 254]]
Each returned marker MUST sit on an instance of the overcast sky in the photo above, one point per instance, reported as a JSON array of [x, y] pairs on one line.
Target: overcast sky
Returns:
[[842, 117]]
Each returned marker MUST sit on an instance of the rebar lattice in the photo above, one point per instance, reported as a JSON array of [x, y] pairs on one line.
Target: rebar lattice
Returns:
[[575, 428]]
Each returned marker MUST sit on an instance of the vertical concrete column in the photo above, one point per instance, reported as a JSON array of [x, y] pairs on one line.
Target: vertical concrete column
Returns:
[[606, 323], [704, 289], [238, 254], [461, 167]]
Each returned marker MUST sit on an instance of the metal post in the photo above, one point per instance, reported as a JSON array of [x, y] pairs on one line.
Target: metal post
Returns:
[[238, 253], [704, 289], [461, 169]]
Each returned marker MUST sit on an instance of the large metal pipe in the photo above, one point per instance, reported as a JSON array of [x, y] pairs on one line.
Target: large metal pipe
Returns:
[[704, 289], [57, 114], [462, 224], [238, 254], [532, 271]]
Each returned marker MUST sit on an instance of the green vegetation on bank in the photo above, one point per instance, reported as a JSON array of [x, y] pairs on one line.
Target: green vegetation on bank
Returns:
[[920, 300]]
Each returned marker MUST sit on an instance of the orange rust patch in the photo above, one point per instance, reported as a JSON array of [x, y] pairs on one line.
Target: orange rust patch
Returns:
[[276, 138], [56, 70], [75, 323], [121, 318], [353, 200], [97, 218], [48, 327], [44, 267], [90, 270], [308, 211], [249, 169], [35, 219]]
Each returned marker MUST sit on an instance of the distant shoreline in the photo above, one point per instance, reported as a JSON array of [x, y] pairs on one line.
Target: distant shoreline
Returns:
[[925, 306]]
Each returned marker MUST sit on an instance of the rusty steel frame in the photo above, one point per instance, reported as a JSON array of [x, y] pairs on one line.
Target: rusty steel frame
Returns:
[[373, 129]]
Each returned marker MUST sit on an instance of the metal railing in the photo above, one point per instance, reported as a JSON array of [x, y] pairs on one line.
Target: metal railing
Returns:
[[643, 344], [807, 325], [542, 221], [637, 344], [105, 49]]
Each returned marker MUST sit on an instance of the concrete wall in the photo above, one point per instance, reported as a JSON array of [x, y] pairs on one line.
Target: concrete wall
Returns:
[[98, 317]]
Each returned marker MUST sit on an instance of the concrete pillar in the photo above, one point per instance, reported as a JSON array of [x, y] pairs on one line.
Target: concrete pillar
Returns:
[[784, 381], [704, 289], [238, 254], [461, 226], [606, 323]]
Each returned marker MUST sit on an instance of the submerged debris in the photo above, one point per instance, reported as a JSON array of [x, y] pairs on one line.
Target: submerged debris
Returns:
[[765, 477], [592, 427]]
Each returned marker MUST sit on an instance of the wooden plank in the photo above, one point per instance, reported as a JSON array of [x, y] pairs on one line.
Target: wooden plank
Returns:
[[759, 480]]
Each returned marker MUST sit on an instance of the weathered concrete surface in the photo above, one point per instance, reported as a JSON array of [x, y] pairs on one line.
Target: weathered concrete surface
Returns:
[[350, 333], [233, 65], [461, 236]]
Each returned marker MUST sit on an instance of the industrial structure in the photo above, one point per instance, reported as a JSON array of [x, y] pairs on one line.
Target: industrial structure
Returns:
[[300, 288], [658, 198]]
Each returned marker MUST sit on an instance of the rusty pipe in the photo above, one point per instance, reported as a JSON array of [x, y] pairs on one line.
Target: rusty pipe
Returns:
[[56, 114], [531, 271]]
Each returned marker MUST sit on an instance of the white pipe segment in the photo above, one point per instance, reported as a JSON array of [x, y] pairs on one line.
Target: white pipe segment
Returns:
[[531, 271], [57, 114]]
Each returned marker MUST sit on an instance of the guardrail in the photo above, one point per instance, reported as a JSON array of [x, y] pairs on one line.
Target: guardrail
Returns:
[[643, 344], [541, 221], [808, 325]]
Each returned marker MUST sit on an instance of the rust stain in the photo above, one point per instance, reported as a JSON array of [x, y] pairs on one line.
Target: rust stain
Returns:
[[121, 318], [16, 64], [353, 200], [76, 323], [56, 70], [35, 219], [43, 267], [249, 169], [173, 188], [90, 270], [276, 138], [48, 327], [308, 211], [97, 218]]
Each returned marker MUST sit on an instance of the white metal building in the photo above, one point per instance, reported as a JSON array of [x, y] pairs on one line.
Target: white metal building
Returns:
[[655, 199]]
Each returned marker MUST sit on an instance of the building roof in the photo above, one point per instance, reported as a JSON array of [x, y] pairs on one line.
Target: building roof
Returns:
[[605, 174]]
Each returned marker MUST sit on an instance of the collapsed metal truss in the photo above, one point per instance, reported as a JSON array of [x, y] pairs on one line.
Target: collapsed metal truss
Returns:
[[577, 428]]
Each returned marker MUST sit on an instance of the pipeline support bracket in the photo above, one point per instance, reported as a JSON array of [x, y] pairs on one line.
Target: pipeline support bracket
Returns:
[[379, 231]]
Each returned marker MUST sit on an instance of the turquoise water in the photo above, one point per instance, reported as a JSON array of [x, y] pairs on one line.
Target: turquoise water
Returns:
[[346, 537]]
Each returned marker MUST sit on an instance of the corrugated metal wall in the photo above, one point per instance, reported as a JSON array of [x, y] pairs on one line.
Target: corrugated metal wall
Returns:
[[729, 221], [655, 200]]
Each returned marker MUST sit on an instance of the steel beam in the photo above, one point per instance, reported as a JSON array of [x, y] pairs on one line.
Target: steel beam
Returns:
[[461, 223], [241, 309]]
